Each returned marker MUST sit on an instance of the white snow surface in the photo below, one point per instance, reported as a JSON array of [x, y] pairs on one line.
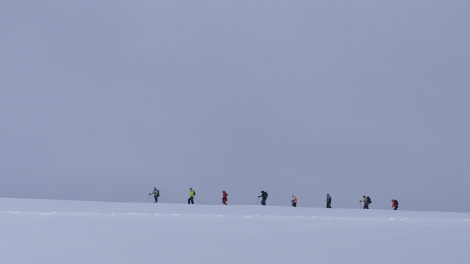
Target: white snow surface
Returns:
[[61, 231]]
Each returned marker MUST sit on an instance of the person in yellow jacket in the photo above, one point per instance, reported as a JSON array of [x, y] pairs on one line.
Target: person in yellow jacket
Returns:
[[192, 193]]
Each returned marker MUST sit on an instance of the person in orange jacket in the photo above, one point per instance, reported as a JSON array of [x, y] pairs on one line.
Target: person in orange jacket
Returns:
[[294, 201], [224, 197], [394, 204]]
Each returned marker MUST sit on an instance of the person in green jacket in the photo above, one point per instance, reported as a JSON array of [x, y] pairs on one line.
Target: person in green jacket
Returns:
[[156, 194], [192, 193]]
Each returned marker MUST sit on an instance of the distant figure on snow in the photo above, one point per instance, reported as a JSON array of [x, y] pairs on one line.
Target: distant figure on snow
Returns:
[[264, 196], [224, 197], [395, 204], [156, 194], [192, 193], [294, 201], [366, 200], [328, 200]]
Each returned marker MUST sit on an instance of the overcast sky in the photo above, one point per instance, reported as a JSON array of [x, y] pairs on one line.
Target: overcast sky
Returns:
[[102, 100]]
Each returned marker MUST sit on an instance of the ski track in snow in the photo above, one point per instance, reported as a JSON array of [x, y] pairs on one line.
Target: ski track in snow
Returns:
[[49, 214]]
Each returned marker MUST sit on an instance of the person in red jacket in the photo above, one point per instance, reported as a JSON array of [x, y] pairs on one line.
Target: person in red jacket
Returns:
[[394, 204], [224, 197], [294, 201]]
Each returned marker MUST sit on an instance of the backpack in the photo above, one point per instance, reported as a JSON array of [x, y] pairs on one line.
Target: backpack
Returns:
[[194, 192], [266, 194], [368, 199]]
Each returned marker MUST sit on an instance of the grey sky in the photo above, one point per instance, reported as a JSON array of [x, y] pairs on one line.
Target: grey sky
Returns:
[[102, 100]]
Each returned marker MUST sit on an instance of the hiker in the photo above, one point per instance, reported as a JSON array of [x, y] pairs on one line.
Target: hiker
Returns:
[[366, 200], [294, 201], [395, 204], [192, 193], [224, 197], [264, 196], [156, 194], [328, 200]]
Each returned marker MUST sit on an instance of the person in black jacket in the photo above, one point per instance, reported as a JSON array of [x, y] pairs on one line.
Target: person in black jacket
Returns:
[[264, 196], [328, 200]]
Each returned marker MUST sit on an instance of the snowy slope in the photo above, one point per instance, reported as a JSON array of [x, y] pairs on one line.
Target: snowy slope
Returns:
[[55, 231]]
